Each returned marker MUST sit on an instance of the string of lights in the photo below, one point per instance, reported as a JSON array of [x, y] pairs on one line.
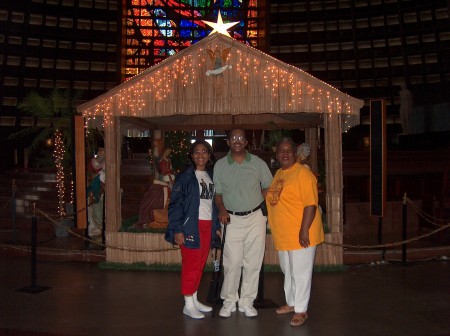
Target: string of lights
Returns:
[[58, 154], [271, 85]]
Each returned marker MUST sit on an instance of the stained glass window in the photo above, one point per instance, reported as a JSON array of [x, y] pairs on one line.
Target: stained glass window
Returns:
[[156, 29]]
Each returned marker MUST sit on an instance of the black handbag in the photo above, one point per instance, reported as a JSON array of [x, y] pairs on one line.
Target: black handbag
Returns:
[[215, 285]]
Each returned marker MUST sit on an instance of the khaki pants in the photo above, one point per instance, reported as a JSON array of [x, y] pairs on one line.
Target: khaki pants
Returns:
[[243, 254]]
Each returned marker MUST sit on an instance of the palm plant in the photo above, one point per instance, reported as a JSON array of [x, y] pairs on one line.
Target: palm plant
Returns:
[[274, 136], [58, 109]]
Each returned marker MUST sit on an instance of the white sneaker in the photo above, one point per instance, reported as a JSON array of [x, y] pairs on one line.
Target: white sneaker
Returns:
[[200, 306], [193, 312], [227, 309], [249, 311], [190, 309]]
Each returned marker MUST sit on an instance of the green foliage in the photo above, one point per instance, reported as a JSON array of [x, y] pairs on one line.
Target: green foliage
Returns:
[[179, 141], [274, 136], [58, 109]]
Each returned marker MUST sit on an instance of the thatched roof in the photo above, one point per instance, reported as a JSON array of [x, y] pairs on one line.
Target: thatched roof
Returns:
[[219, 83]]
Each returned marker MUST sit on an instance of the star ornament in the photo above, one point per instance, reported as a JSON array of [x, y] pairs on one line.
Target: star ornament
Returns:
[[219, 26]]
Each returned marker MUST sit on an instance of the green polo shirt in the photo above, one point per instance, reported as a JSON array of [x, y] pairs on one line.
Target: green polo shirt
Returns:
[[240, 184]]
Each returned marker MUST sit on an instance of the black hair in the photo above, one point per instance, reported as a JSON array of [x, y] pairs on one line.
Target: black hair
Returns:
[[208, 148], [228, 133]]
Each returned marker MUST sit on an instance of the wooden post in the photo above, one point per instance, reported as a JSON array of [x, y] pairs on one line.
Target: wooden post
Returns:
[[333, 158], [334, 192], [80, 173], [113, 211], [311, 139]]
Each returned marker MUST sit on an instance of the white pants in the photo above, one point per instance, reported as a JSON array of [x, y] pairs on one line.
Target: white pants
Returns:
[[297, 267], [243, 253], [95, 217]]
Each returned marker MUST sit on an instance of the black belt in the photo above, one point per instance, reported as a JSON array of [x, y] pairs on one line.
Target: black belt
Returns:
[[243, 213]]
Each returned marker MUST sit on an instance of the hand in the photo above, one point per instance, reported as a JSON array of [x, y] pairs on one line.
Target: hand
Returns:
[[304, 238], [224, 216], [308, 217], [179, 238]]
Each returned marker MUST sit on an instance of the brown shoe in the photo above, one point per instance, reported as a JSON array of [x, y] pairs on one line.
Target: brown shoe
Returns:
[[285, 309], [298, 319]]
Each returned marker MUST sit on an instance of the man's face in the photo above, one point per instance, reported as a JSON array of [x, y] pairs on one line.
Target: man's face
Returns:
[[237, 141]]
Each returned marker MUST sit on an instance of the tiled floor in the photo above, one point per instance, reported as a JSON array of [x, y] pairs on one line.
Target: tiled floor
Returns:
[[83, 299]]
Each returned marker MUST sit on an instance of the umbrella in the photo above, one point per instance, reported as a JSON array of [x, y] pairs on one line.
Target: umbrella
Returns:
[[215, 286]]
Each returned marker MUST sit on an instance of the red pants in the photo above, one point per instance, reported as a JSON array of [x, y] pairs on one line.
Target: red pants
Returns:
[[193, 260]]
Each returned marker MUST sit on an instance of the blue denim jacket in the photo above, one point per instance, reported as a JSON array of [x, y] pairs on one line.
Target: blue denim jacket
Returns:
[[184, 210]]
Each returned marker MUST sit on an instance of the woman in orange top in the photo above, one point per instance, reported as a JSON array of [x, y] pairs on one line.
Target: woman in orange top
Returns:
[[296, 227]]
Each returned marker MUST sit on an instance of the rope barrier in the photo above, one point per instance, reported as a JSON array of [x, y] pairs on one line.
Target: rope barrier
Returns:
[[53, 219], [101, 244], [347, 246], [424, 215], [421, 213], [67, 216], [381, 246]]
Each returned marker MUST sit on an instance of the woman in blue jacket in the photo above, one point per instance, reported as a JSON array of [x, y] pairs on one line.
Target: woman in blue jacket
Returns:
[[193, 223]]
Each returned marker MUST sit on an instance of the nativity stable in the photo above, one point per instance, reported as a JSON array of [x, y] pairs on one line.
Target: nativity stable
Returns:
[[221, 83]]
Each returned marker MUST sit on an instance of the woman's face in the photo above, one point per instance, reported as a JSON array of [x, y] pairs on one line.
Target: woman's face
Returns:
[[167, 152], [200, 156], [285, 155]]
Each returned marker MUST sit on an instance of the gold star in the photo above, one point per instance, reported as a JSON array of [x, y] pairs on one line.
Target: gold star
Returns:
[[219, 26]]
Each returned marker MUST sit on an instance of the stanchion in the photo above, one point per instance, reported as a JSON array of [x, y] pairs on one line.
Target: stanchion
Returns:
[[103, 221], [404, 229], [86, 244], [13, 209], [33, 288], [380, 237]]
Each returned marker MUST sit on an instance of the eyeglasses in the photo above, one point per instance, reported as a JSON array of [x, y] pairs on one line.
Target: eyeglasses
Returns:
[[237, 138], [288, 152], [201, 152]]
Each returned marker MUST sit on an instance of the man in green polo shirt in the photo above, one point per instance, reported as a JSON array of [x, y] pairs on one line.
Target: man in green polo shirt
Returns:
[[241, 180]]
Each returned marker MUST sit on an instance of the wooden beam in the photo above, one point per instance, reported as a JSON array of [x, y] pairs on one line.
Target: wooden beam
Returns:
[[228, 126], [80, 174], [140, 122]]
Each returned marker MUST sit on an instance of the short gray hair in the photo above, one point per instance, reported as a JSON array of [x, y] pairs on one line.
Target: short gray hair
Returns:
[[304, 149], [287, 140]]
